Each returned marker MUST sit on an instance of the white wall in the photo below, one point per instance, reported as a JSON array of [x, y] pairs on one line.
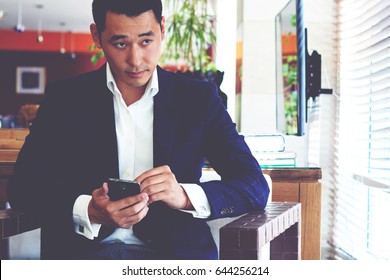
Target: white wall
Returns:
[[320, 20], [258, 113], [258, 101], [258, 109], [226, 48]]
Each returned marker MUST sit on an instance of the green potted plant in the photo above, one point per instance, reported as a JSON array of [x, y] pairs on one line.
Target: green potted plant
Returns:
[[190, 35], [190, 39], [97, 54]]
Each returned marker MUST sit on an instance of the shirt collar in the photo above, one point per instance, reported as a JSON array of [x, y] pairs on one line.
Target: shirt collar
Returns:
[[151, 88]]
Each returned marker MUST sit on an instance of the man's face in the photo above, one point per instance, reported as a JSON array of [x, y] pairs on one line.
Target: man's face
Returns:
[[132, 47]]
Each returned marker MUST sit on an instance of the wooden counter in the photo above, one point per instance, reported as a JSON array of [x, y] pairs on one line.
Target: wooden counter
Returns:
[[11, 141], [302, 185]]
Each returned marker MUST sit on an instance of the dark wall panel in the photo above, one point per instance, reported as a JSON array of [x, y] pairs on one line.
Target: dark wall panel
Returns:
[[57, 66]]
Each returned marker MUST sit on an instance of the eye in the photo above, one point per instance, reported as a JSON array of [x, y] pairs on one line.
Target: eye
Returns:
[[120, 45], [146, 42]]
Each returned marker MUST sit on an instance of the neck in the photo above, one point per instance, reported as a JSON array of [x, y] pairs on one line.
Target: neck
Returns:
[[131, 95]]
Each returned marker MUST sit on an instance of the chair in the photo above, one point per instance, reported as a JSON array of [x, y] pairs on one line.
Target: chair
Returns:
[[26, 114], [273, 233], [216, 225]]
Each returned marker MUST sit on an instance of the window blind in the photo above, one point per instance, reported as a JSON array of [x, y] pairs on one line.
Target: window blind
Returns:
[[359, 196]]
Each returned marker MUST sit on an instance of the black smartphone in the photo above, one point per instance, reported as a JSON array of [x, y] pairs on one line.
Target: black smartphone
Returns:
[[118, 188]]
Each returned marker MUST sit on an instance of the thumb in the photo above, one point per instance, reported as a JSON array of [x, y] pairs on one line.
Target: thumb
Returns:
[[102, 191]]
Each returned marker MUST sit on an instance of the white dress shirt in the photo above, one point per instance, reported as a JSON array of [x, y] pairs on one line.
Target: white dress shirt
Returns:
[[134, 129]]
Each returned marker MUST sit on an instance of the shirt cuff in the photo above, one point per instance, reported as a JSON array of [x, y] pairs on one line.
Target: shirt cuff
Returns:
[[81, 222], [199, 201]]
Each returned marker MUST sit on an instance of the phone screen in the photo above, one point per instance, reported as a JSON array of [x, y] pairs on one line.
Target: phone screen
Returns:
[[118, 188]]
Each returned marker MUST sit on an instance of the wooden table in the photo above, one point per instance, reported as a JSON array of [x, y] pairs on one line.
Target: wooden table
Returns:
[[301, 184]]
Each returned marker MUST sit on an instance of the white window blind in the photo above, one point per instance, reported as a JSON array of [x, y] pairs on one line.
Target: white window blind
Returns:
[[359, 220]]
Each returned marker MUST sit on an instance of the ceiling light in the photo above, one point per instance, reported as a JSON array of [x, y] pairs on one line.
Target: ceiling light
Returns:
[[40, 37], [19, 26], [62, 40], [72, 52]]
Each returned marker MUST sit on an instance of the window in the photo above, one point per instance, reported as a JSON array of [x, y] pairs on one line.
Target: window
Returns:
[[359, 197]]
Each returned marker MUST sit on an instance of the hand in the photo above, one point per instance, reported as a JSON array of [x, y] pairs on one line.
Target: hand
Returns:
[[160, 185], [122, 213]]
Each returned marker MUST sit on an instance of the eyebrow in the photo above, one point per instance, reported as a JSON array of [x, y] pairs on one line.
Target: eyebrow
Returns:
[[146, 34], [119, 37]]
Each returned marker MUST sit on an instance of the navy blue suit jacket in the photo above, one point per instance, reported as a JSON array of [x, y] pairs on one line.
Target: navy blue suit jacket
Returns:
[[72, 149]]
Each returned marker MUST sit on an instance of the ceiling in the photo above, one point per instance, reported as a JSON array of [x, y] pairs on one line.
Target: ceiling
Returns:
[[56, 15]]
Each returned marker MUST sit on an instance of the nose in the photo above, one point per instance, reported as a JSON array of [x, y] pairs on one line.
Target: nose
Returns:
[[134, 56]]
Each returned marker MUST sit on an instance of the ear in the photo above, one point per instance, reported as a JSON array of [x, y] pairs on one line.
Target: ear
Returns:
[[162, 28], [95, 35]]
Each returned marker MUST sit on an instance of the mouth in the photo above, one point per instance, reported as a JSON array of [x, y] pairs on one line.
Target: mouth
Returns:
[[137, 74]]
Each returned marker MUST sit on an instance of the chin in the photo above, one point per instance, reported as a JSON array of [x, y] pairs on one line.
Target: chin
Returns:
[[137, 84]]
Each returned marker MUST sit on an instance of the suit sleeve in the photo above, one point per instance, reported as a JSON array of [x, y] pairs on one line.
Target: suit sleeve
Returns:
[[243, 187], [37, 185]]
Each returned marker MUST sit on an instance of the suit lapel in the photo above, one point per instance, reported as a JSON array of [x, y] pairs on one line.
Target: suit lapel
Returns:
[[101, 128], [165, 118]]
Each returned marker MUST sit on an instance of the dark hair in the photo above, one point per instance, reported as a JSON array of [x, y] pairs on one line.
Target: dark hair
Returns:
[[130, 8]]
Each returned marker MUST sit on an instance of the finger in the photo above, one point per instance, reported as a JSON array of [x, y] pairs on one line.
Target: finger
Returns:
[[130, 200], [154, 188], [134, 219], [104, 189], [152, 172], [159, 196], [172, 194], [131, 214], [121, 215], [159, 182], [101, 192], [134, 209]]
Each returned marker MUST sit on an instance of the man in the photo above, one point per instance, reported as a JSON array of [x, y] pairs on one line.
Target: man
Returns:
[[132, 120]]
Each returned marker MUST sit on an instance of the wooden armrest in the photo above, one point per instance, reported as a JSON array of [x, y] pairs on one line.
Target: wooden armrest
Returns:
[[279, 223]]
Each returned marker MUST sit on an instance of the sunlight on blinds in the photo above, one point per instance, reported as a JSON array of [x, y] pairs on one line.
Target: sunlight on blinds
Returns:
[[360, 195]]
